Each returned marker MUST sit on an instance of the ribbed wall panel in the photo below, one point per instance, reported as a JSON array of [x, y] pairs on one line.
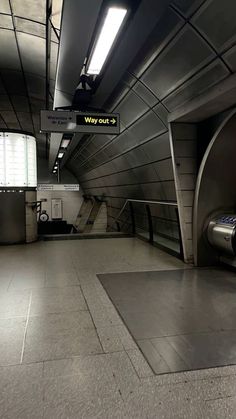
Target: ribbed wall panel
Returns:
[[189, 51]]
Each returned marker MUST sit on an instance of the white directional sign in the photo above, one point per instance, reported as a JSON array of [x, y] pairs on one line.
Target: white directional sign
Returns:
[[57, 187], [83, 122]]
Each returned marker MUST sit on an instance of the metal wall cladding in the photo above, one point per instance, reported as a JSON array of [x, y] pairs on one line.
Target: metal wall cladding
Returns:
[[190, 50], [8, 50], [208, 18], [131, 108], [172, 67], [187, 7], [209, 76], [143, 92], [166, 29], [230, 58]]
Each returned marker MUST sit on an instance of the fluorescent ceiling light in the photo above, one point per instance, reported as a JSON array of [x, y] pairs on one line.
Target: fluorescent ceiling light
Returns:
[[109, 31], [65, 143], [60, 155]]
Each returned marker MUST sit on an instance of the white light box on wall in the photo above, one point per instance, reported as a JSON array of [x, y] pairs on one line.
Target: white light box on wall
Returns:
[[18, 164]]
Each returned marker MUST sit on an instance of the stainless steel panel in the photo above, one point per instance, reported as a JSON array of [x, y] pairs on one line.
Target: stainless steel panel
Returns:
[[221, 234], [164, 169], [20, 103], [5, 104], [30, 9], [136, 157], [36, 87], [131, 108], [187, 7], [194, 331], [171, 68], [25, 120], [158, 148], [165, 30], [216, 179], [9, 117], [216, 21], [6, 22], [27, 26], [8, 50], [145, 128], [147, 96], [14, 82], [230, 58], [32, 50], [12, 217], [160, 190], [145, 174], [5, 6], [162, 113], [209, 76]]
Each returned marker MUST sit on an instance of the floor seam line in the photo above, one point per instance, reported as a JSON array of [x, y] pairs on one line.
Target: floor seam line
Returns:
[[26, 325], [86, 301]]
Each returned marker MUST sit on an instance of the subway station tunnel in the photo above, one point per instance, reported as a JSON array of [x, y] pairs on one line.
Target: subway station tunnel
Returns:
[[117, 243]]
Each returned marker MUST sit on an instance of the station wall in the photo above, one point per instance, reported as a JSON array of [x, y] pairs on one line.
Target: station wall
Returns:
[[185, 56]]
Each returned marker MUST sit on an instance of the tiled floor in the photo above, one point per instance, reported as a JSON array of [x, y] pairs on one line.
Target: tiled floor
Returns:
[[181, 319], [64, 351]]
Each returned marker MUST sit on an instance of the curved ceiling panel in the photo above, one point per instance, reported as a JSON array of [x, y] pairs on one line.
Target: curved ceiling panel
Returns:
[[23, 63]]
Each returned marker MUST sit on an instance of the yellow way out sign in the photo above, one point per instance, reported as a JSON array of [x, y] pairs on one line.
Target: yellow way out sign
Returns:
[[83, 122], [102, 123]]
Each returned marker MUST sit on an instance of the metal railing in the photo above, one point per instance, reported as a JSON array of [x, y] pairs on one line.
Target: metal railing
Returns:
[[152, 235]]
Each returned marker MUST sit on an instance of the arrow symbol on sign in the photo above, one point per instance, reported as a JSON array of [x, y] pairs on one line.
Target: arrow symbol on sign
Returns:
[[113, 121]]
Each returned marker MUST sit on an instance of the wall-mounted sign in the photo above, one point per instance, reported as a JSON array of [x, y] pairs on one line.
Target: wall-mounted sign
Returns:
[[56, 209], [75, 121], [58, 187]]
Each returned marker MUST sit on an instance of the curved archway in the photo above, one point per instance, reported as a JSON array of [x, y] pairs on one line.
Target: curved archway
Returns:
[[216, 187]]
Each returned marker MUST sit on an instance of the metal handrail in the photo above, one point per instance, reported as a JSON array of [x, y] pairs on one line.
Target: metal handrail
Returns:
[[143, 201]]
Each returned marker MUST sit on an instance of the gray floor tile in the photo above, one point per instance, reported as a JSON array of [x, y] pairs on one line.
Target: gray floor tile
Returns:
[[221, 408], [56, 300], [56, 324], [189, 395], [92, 366], [13, 304], [21, 390], [61, 279], [140, 364], [64, 345], [24, 283], [80, 387], [115, 338], [105, 407], [11, 340], [4, 283], [124, 373]]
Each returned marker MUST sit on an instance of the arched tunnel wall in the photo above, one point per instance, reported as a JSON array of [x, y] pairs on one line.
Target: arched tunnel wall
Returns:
[[185, 55], [215, 189]]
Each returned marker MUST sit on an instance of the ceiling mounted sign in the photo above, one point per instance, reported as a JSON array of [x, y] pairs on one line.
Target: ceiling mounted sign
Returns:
[[58, 187], [74, 121]]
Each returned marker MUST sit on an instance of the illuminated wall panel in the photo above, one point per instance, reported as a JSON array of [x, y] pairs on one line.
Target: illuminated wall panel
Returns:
[[18, 165]]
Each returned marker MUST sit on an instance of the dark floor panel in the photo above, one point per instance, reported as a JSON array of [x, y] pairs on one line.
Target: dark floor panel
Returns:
[[182, 319]]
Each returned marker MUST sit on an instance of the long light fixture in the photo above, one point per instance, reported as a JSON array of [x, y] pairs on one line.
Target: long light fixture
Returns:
[[65, 143], [113, 21]]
